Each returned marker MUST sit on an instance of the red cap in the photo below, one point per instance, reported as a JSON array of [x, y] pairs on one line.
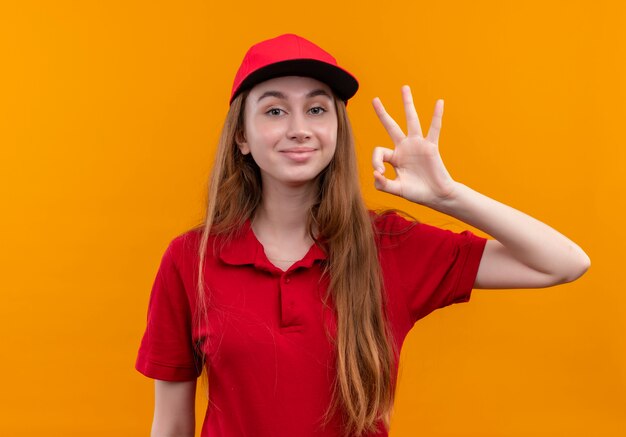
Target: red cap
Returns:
[[292, 55]]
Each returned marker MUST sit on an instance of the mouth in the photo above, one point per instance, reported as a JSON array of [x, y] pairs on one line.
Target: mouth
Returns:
[[298, 154]]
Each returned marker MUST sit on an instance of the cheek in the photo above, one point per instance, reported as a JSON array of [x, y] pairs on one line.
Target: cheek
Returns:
[[330, 137], [263, 134]]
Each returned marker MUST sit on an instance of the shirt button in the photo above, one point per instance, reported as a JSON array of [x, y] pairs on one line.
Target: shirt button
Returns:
[[287, 281]]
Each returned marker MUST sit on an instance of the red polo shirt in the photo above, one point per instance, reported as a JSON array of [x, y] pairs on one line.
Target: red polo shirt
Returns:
[[270, 361]]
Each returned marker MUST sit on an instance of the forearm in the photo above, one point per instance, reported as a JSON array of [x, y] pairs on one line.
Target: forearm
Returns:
[[528, 240]]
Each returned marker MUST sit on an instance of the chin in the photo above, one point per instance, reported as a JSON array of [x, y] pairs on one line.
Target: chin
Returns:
[[294, 178], [299, 181]]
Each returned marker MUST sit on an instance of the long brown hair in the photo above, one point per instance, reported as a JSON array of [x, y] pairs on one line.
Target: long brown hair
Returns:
[[364, 387]]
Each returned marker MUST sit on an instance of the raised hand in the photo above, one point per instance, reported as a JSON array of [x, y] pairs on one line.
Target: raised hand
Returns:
[[421, 176]]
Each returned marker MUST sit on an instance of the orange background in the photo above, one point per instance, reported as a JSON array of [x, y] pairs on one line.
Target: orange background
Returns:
[[109, 117]]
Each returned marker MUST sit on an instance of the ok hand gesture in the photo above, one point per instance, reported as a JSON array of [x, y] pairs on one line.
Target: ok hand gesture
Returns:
[[421, 176]]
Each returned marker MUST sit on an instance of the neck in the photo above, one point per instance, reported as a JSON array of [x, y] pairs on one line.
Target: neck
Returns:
[[284, 210]]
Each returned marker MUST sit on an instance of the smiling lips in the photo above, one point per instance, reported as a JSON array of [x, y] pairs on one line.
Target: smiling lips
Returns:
[[299, 154]]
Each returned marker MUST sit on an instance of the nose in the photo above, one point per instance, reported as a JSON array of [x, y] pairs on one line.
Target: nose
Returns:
[[299, 129]]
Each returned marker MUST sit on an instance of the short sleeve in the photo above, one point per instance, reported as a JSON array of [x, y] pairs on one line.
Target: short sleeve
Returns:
[[167, 350], [426, 267]]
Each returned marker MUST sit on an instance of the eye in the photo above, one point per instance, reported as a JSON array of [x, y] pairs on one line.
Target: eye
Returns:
[[274, 111], [318, 110]]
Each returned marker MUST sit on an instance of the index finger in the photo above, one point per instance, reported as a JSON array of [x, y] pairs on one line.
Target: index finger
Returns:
[[392, 128]]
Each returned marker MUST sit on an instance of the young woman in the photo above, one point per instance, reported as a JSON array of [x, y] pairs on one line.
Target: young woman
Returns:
[[294, 297]]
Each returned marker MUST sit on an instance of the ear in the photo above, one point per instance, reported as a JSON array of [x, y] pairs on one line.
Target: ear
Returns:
[[240, 139]]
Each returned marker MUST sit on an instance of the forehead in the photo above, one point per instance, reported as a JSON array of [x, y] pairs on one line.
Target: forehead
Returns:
[[290, 86]]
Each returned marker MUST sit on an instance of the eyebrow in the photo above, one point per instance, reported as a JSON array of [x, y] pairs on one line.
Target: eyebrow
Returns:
[[279, 95]]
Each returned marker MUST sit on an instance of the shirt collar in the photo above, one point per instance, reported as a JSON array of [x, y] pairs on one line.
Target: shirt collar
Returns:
[[243, 248]]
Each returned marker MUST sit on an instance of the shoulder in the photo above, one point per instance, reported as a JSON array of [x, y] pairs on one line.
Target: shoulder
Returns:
[[391, 221], [183, 248], [188, 240], [395, 228]]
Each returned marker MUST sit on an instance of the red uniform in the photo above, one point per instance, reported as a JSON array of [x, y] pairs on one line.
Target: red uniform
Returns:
[[271, 364]]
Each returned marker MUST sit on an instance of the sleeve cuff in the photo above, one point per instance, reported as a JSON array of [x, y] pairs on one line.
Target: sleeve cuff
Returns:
[[468, 275], [165, 372]]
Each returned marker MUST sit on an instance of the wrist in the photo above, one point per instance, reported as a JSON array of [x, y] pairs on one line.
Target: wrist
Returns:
[[452, 200]]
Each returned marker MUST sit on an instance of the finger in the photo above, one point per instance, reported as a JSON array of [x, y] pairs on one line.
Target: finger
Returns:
[[435, 124], [380, 155], [392, 128], [412, 120], [390, 186]]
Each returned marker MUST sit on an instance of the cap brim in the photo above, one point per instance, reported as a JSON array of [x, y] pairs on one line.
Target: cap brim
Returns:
[[343, 84]]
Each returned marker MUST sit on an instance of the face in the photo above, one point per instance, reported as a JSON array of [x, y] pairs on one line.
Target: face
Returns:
[[290, 128]]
